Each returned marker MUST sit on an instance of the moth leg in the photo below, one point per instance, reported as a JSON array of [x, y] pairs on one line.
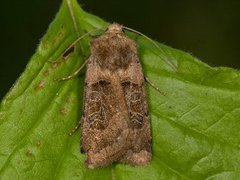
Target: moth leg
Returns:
[[74, 74], [75, 128], [153, 85], [70, 47], [64, 55]]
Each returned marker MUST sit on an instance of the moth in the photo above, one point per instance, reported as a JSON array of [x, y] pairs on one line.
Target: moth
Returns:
[[115, 124]]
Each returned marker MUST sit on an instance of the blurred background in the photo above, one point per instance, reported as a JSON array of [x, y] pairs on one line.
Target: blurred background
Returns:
[[207, 29]]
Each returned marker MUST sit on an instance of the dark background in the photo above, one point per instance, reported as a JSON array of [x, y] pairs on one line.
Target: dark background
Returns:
[[209, 29]]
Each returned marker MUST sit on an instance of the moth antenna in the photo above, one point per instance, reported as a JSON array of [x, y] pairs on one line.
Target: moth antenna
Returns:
[[155, 44], [75, 128]]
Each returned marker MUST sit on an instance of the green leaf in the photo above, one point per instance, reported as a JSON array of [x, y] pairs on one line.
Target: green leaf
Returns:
[[195, 127]]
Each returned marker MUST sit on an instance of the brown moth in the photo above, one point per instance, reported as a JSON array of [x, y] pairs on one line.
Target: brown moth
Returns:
[[115, 125]]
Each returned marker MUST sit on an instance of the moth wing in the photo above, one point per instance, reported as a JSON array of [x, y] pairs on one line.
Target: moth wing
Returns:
[[139, 120]]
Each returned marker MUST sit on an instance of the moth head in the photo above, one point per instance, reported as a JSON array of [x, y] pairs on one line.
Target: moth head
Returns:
[[115, 28]]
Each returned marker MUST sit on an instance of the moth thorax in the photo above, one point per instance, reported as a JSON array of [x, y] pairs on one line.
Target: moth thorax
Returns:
[[113, 58], [115, 62]]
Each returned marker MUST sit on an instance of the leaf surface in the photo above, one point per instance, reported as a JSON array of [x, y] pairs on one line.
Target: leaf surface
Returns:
[[195, 127]]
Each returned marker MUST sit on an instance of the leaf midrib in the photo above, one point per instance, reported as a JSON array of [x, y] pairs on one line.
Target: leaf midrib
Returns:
[[72, 15]]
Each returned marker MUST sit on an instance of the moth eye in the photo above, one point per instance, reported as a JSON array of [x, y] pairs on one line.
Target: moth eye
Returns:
[[136, 96], [94, 96]]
